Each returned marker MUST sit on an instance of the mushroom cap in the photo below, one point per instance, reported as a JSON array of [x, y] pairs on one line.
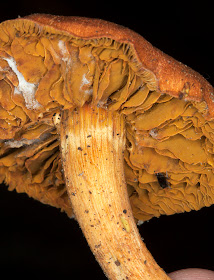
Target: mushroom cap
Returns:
[[52, 63]]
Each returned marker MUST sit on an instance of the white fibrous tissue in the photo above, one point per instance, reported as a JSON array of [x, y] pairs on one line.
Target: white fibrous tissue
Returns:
[[20, 143], [26, 142], [84, 82], [139, 223], [25, 88], [153, 133], [64, 52], [66, 57]]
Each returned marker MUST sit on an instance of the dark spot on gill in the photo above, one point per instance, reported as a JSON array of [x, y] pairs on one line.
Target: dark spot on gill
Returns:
[[181, 95], [109, 101], [162, 180]]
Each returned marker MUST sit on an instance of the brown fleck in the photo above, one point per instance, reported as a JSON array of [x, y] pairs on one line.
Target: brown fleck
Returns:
[[181, 95], [117, 263]]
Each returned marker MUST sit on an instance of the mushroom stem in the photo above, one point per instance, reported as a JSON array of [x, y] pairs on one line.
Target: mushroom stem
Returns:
[[92, 145]]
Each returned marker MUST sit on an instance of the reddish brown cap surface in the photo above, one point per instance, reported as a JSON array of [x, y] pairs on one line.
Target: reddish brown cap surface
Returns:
[[172, 76]]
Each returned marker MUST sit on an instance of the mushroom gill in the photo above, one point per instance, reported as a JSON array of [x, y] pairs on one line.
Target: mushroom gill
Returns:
[[43, 71]]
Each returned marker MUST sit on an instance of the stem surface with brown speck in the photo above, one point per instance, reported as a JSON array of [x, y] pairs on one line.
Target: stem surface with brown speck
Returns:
[[92, 146]]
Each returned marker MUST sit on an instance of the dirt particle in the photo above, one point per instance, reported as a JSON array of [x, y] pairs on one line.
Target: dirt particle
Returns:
[[89, 136], [79, 148], [124, 211], [117, 263], [181, 95]]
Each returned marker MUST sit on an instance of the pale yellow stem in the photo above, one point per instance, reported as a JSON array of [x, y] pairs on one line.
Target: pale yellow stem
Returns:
[[92, 143]]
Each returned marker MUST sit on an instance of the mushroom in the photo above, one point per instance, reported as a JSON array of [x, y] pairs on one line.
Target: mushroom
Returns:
[[96, 121]]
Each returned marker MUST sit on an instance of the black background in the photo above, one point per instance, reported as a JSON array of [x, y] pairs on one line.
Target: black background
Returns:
[[38, 241]]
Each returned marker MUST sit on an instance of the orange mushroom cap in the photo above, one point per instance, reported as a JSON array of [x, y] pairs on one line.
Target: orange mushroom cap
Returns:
[[53, 63], [170, 76]]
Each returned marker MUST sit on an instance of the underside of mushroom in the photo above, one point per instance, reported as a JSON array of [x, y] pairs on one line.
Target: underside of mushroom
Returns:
[[164, 143]]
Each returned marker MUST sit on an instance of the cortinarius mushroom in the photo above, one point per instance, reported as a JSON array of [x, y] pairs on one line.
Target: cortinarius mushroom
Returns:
[[77, 97]]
